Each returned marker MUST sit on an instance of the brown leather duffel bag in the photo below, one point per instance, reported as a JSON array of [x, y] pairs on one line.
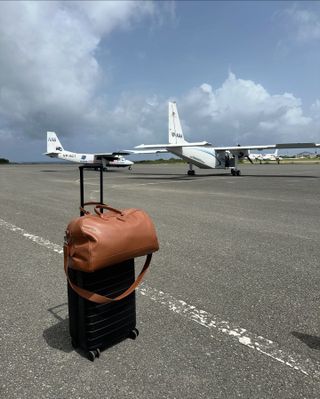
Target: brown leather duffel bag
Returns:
[[96, 241]]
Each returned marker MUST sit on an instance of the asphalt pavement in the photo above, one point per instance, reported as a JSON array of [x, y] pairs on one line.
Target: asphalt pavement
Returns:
[[229, 308]]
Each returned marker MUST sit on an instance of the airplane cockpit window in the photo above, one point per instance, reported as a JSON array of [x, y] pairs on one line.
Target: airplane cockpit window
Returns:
[[83, 157]]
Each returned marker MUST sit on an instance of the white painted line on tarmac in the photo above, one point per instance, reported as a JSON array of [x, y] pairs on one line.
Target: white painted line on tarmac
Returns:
[[38, 240], [252, 341], [243, 336]]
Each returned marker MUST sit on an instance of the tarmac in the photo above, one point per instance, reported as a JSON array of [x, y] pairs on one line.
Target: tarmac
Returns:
[[229, 308]]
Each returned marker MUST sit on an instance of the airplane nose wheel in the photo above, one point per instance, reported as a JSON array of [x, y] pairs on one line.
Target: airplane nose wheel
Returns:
[[235, 172], [191, 172]]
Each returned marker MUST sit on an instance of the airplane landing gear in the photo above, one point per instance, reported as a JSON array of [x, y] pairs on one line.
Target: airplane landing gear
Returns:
[[235, 172], [130, 168], [191, 172]]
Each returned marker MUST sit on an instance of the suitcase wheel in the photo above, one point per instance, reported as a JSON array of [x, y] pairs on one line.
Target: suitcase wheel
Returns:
[[133, 334], [93, 354]]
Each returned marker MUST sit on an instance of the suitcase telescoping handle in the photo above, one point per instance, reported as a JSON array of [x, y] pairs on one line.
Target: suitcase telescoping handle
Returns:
[[81, 168], [97, 298]]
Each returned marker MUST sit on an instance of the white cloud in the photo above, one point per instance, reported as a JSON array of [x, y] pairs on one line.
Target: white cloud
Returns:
[[305, 23], [49, 74], [239, 111], [243, 111], [105, 16], [315, 110]]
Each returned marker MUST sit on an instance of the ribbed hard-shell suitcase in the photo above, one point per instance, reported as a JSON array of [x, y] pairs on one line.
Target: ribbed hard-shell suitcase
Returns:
[[94, 327]]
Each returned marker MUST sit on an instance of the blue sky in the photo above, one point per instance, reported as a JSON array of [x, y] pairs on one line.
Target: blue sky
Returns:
[[100, 74]]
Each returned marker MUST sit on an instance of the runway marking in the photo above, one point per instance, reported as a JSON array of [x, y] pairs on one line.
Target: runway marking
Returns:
[[251, 340], [38, 240]]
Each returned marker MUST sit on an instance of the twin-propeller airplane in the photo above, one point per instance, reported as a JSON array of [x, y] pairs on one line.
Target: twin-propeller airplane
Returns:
[[109, 159], [266, 157], [203, 154]]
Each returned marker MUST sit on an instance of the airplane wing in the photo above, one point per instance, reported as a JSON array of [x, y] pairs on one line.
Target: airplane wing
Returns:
[[110, 154], [155, 148], [168, 146], [160, 150], [267, 147]]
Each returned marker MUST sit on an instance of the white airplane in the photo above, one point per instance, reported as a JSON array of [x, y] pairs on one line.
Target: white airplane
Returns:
[[255, 157], [265, 157], [203, 154], [108, 159], [272, 157]]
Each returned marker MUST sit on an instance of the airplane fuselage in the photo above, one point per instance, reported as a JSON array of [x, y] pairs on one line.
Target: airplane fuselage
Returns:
[[270, 157], [203, 157], [74, 157], [121, 162]]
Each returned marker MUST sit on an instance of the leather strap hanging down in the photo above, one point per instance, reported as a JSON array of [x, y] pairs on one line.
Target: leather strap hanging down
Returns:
[[97, 298]]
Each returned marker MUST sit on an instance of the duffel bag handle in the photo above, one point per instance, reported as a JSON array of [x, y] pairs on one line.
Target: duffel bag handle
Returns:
[[103, 206], [89, 203], [97, 298]]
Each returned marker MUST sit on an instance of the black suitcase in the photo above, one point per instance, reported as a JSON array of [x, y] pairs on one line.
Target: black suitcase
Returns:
[[94, 327]]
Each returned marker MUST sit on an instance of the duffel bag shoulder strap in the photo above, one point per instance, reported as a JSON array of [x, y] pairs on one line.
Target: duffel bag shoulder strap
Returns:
[[97, 298]]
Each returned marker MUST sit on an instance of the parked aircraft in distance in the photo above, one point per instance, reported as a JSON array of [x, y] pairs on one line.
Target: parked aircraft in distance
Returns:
[[203, 154], [108, 159], [265, 157]]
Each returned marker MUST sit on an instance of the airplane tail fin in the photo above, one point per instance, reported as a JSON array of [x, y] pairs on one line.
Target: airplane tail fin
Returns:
[[53, 143], [175, 130]]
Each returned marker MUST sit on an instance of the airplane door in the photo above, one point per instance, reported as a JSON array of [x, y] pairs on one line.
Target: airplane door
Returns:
[[229, 161]]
